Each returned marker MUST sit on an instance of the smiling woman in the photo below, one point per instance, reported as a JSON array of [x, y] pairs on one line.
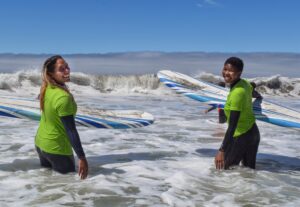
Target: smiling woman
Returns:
[[62, 74], [242, 136], [54, 74], [57, 133]]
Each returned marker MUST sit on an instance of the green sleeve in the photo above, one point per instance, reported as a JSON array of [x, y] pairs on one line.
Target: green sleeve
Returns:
[[64, 106]]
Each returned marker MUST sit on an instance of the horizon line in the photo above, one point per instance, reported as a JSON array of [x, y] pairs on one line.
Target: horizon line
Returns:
[[148, 51]]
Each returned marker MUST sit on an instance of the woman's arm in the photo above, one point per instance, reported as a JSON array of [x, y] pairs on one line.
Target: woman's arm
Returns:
[[69, 124], [210, 109], [233, 120]]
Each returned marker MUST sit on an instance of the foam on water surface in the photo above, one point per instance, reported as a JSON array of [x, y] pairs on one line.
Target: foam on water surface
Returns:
[[169, 163]]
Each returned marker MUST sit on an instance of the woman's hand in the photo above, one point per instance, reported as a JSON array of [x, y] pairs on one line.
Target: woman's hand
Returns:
[[219, 160], [83, 168]]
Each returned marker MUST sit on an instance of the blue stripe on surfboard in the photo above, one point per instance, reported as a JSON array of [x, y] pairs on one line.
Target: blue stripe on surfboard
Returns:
[[279, 122], [175, 85], [2, 113], [167, 80], [102, 123], [92, 123], [144, 122], [132, 122], [28, 114], [260, 110], [131, 119], [262, 117], [275, 121], [195, 96], [172, 84], [202, 98]]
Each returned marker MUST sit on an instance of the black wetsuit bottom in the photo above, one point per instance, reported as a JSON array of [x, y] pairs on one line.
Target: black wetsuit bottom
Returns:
[[243, 148], [60, 163]]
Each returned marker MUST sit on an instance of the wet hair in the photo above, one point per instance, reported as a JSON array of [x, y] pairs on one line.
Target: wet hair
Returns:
[[236, 62], [48, 69]]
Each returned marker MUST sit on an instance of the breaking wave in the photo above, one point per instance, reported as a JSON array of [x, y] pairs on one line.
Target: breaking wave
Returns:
[[274, 85], [30, 81]]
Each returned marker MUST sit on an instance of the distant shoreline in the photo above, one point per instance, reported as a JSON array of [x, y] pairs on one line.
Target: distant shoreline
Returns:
[[148, 62]]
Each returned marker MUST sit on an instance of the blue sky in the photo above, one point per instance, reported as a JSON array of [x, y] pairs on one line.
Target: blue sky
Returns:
[[104, 26]]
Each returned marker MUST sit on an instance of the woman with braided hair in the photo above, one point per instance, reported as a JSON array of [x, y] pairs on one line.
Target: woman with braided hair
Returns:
[[57, 133]]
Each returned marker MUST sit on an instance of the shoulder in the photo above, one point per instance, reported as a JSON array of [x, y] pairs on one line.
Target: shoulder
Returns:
[[58, 94], [239, 88], [246, 82], [56, 91]]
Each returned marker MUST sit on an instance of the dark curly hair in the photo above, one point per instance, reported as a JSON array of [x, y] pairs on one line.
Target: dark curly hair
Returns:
[[236, 62]]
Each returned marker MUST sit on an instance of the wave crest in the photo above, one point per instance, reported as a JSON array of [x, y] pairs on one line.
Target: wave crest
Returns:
[[29, 82], [274, 85]]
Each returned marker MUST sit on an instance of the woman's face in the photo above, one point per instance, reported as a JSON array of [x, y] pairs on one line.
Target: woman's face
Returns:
[[61, 72], [230, 74]]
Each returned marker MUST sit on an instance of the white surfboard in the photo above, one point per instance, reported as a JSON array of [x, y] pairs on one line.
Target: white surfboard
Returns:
[[15, 107], [214, 95]]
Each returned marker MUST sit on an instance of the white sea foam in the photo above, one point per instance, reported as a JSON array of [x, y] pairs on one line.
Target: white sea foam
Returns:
[[169, 163], [275, 85], [27, 82]]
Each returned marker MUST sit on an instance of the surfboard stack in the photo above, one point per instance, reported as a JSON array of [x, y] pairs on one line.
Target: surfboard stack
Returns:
[[214, 95]]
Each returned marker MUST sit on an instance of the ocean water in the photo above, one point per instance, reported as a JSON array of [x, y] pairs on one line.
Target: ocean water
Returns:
[[169, 163]]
